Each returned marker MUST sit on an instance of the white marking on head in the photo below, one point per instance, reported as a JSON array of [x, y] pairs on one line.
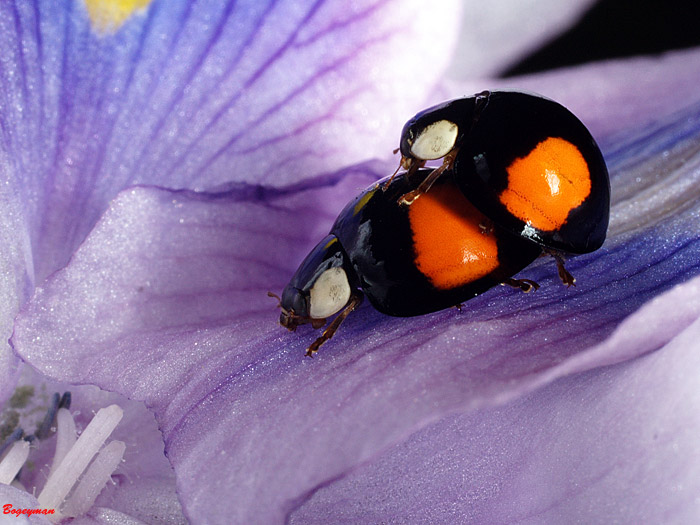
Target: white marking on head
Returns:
[[329, 294], [435, 141]]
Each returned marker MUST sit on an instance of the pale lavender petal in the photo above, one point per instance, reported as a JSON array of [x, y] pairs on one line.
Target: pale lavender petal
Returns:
[[198, 94], [616, 445], [16, 271], [105, 516], [483, 51], [9, 370]]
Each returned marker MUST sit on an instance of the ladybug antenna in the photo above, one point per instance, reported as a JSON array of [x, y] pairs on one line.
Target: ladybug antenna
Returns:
[[387, 183], [279, 301]]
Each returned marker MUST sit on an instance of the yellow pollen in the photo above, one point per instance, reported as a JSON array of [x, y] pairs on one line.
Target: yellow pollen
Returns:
[[107, 16]]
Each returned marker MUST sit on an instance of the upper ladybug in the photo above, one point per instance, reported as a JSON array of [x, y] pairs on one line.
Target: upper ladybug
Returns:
[[524, 161]]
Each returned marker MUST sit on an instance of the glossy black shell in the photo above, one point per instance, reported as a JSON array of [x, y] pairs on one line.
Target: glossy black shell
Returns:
[[375, 233], [508, 125]]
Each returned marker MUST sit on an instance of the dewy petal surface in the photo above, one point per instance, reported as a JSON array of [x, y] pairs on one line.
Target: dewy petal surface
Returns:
[[198, 94], [184, 275], [16, 267], [614, 445]]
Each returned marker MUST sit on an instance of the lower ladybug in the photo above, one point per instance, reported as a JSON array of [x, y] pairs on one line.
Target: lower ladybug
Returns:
[[523, 160], [407, 261]]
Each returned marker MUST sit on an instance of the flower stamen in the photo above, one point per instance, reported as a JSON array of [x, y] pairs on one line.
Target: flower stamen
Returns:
[[66, 436], [13, 461], [16, 434], [61, 481], [96, 477]]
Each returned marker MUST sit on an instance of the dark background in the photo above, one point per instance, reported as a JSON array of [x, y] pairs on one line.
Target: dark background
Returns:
[[619, 28]]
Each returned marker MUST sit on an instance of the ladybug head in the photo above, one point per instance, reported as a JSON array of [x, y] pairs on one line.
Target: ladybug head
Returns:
[[429, 135], [320, 287]]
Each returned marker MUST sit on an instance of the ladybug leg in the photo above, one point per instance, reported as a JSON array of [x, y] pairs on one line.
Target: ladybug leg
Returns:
[[526, 285], [388, 183], [564, 275], [354, 302], [411, 165], [448, 160], [401, 165]]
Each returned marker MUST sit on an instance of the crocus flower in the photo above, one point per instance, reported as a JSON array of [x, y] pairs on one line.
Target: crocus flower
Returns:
[[166, 165]]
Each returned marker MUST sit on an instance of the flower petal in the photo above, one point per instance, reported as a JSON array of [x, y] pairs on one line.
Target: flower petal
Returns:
[[16, 271], [618, 444], [9, 366], [198, 94]]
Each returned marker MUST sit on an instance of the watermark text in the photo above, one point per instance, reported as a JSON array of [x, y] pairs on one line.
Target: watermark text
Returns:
[[9, 509]]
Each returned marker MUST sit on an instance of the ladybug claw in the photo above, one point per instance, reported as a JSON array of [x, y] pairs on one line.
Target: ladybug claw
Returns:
[[566, 278], [408, 198], [526, 285]]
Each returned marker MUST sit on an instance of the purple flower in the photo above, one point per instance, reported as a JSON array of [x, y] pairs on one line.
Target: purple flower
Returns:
[[165, 167]]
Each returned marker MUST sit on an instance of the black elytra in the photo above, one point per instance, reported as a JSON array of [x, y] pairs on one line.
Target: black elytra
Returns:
[[385, 244], [527, 163]]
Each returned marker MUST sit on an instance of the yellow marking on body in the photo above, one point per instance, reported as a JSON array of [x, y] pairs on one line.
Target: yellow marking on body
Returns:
[[546, 184], [107, 16], [364, 200], [451, 248], [330, 243]]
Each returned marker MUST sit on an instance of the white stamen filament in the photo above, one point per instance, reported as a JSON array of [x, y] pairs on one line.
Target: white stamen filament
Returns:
[[13, 461], [96, 477], [79, 456], [65, 437]]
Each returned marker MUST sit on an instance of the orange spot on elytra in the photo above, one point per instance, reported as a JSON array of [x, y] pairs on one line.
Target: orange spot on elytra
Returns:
[[545, 185], [452, 249]]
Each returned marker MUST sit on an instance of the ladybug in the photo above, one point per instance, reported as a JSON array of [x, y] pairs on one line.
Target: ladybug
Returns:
[[407, 260], [526, 162]]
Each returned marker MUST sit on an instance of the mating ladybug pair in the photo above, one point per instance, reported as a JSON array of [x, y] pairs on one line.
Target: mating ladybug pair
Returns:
[[520, 175]]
